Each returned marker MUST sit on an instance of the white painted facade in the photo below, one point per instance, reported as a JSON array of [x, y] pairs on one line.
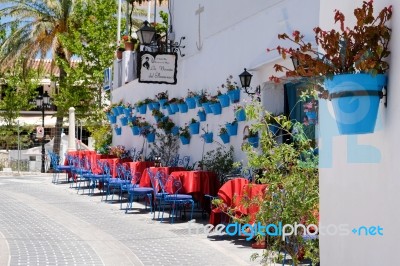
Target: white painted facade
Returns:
[[227, 37], [359, 175]]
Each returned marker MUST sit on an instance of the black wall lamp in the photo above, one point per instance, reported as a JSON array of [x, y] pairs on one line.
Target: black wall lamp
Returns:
[[245, 80], [147, 36]]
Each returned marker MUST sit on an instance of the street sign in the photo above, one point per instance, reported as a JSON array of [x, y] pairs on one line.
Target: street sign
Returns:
[[39, 132]]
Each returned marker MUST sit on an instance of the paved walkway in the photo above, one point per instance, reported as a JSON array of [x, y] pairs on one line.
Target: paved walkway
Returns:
[[46, 224]]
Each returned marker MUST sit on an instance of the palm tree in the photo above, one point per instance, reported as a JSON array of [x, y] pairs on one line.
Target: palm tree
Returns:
[[38, 24]]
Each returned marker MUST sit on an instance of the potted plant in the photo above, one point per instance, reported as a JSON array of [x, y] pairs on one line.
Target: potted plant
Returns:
[[162, 98], [351, 67], [194, 126], [240, 113], [252, 137], [184, 134], [118, 130], [223, 99], [215, 105], [232, 89], [182, 106], [135, 126], [141, 107], [118, 151], [202, 115], [223, 134], [119, 52], [232, 128], [191, 99], [207, 136]]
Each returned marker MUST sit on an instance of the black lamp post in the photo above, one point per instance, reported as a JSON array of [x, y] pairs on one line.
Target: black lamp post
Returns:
[[245, 79], [42, 101]]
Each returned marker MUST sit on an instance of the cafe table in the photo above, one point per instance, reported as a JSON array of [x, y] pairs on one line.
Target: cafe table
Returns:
[[145, 179], [197, 183], [137, 167], [113, 162], [233, 193]]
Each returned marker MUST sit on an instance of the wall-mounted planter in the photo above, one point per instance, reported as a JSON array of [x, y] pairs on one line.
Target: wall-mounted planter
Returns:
[[232, 128], [150, 106], [151, 137], [142, 109], [216, 108], [175, 131], [120, 109], [112, 118], [169, 109], [208, 137], [118, 130], [185, 141], [202, 115], [273, 128], [183, 108], [156, 105], [207, 108], [240, 115], [191, 102], [224, 100], [115, 111], [234, 95], [355, 100], [162, 103], [135, 130], [224, 137], [124, 121], [253, 141], [194, 128], [127, 111], [174, 107]]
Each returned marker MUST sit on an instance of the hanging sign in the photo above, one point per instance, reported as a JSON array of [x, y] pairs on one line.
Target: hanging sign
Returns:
[[157, 67]]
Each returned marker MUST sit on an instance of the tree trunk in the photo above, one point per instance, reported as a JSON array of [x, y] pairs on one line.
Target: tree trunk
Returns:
[[57, 136]]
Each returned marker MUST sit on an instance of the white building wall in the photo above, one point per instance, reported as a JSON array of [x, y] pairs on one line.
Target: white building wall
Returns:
[[233, 35], [359, 175]]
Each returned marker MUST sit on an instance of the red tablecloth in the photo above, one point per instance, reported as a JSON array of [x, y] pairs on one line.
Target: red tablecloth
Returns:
[[233, 193], [113, 164], [198, 183], [145, 179], [137, 167]]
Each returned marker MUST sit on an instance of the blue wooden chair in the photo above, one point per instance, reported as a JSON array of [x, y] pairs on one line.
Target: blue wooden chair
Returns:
[[134, 190]]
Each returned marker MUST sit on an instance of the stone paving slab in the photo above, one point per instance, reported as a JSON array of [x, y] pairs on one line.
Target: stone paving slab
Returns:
[[46, 224]]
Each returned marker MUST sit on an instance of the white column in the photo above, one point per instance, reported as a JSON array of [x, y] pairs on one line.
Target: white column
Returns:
[[71, 130]]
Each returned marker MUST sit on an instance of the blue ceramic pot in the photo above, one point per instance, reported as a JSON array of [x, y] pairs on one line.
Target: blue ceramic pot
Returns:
[[224, 100], [208, 137], [232, 129], [185, 141], [216, 108], [194, 128], [234, 95], [202, 115], [240, 115], [224, 137], [191, 102], [183, 108]]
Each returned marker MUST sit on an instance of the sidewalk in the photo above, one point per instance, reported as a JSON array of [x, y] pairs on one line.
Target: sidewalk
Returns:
[[46, 224]]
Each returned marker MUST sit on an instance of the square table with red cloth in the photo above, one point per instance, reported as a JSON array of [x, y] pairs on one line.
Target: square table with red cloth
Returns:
[[90, 155], [233, 193], [137, 167], [197, 183], [145, 179]]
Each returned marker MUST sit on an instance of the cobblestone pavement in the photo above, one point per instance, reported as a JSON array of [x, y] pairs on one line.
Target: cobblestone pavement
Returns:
[[46, 224]]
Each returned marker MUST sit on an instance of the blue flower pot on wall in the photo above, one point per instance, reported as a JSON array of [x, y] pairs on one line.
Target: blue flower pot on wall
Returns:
[[169, 109], [118, 130], [127, 111], [191, 102], [135, 130], [185, 141], [112, 118], [194, 128], [120, 109], [142, 109], [208, 137], [174, 107], [232, 128], [162, 103], [207, 108], [156, 105], [355, 100], [124, 121], [150, 106], [224, 100], [274, 129], [224, 137], [234, 95], [216, 108], [240, 115], [151, 137], [115, 111], [175, 131], [202, 115], [183, 108], [253, 141]]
